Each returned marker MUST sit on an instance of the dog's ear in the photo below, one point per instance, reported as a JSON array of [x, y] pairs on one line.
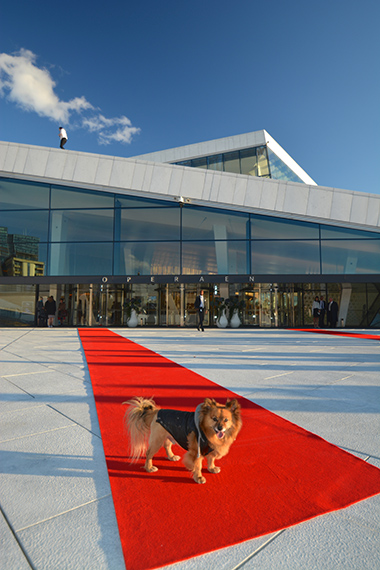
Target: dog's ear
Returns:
[[208, 403], [233, 405]]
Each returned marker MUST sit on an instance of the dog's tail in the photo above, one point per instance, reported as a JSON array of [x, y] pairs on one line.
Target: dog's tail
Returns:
[[137, 420]]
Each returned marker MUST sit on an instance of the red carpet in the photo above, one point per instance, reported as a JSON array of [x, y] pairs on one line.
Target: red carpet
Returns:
[[276, 474], [340, 333]]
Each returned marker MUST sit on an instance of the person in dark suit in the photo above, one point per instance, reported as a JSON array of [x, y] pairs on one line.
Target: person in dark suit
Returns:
[[201, 308], [332, 313]]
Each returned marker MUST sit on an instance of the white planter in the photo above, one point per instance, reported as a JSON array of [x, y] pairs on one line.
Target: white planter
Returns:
[[132, 321], [222, 322], [235, 322]]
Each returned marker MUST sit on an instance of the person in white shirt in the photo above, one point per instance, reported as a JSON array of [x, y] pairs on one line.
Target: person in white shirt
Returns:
[[63, 136]]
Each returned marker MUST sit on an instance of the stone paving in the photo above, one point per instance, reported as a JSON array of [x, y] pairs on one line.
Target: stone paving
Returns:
[[56, 505]]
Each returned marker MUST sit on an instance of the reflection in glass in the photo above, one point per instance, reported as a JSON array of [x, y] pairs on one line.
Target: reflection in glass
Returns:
[[332, 232], [216, 162], [212, 258], [81, 225], [199, 162], [248, 161], [149, 224], [147, 258], [80, 259], [268, 227], [75, 198], [17, 305], [24, 256], [350, 256], [16, 194], [133, 202], [32, 223], [285, 257], [205, 223], [232, 162], [262, 162], [279, 170]]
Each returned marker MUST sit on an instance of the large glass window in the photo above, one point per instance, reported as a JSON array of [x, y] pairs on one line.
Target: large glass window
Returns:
[[279, 170], [262, 162], [134, 202], [212, 258], [350, 256], [232, 162], [80, 259], [81, 225], [33, 223], [332, 232], [248, 161], [267, 227], [285, 257], [148, 224], [215, 162], [17, 305], [147, 258], [23, 257], [76, 198], [208, 224], [16, 194]]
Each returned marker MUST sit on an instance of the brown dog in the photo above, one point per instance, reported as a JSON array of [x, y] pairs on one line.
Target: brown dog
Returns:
[[207, 432]]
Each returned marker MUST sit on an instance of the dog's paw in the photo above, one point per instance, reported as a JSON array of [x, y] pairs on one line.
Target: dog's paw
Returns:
[[175, 458], [201, 480], [152, 469], [214, 469]]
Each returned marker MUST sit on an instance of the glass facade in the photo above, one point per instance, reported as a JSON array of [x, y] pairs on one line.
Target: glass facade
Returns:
[[258, 161], [72, 233], [79, 232]]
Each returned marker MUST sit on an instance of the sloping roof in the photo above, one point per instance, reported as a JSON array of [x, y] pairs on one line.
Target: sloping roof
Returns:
[[227, 144], [203, 187]]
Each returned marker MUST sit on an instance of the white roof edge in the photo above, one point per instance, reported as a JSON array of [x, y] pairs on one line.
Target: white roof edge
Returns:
[[288, 160]]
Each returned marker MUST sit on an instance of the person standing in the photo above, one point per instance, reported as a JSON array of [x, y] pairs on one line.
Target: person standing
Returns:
[[201, 308], [63, 136], [315, 310], [41, 313], [50, 308], [322, 311], [332, 313]]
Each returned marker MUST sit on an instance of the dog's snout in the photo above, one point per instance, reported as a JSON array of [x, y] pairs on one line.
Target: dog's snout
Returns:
[[219, 427]]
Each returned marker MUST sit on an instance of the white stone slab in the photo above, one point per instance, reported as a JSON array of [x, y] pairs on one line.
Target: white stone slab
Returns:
[[31, 421], [48, 474], [122, 173], [85, 170], [36, 162], [11, 555], [85, 538]]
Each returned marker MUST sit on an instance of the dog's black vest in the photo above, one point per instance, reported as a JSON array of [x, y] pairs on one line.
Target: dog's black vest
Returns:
[[180, 425]]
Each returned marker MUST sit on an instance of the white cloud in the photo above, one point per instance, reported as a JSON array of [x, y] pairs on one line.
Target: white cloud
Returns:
[[105, 127], [32, 89]]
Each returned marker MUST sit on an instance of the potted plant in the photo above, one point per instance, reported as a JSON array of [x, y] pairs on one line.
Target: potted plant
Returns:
[[235, 311], [132, 308], [220, 308]]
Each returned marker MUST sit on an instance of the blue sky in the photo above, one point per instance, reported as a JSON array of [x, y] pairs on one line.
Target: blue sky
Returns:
[[127, 78]]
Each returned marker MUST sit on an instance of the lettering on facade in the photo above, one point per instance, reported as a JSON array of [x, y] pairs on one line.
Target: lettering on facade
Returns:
[[251, 279], [201, 280], [152, 279], [226, 278], [176, 279]]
